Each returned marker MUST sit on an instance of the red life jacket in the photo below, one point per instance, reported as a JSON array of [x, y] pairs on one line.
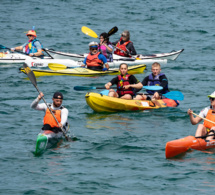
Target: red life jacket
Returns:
[[93, 60], [49, 119], [210, 116], [122, 47], [122, 81]]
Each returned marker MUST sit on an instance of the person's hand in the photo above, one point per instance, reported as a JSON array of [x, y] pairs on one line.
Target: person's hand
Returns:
[[31, 54], [189, 112], [107, 86], [156, 95], [12, 49], [40, 95], [60, 125], [126, 87]]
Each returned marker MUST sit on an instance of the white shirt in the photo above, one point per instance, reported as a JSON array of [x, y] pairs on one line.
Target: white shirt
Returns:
[[43, 107], [203, 113]]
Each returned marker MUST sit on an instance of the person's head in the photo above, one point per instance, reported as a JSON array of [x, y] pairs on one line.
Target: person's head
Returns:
[[156, 68], [123, 68], [31, 34], [125, 35], [57, 99], [93, 46], [212, 98], [104, 37]]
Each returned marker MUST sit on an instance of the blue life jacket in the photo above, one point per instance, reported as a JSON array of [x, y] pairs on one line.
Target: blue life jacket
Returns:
[[155, 81], [31, 48]]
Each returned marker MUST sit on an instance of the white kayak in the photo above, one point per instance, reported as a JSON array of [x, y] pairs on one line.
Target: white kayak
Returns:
[[15, 58], [63, 55], [41, 63]]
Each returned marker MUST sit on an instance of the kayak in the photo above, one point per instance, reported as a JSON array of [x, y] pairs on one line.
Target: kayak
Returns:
[[103, 103], [173, 55], [84, 72], [47, 139], [40, 63], [179, 147], [15, 58]]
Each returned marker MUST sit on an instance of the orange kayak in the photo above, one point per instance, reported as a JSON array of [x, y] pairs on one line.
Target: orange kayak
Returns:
[[180, 146]]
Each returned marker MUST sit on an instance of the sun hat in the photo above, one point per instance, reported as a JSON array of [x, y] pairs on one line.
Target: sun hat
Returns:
[[32, 32], [93, 44], [58, 95], [212, 95]]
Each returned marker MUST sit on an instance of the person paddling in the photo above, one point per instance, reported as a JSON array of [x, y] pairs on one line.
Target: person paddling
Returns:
[[60, 112], [156, 78], [33, 47], [207, 128], [125, 84], [95, 60]]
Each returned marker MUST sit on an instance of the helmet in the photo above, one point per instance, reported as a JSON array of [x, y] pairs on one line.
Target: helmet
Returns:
[[32, 32], [93, 44]]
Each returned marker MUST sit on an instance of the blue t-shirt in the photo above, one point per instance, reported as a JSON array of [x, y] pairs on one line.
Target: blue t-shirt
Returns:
[[101, 57]]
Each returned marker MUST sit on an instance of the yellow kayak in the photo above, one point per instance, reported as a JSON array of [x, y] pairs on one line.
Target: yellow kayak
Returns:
[[103, 103], [84, 72]]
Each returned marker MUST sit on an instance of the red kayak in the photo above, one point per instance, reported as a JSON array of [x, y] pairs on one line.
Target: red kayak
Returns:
[[180, 146]]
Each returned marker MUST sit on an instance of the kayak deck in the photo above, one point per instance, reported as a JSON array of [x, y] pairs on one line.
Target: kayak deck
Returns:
[[84, 72], [102, 103], [179, 147]]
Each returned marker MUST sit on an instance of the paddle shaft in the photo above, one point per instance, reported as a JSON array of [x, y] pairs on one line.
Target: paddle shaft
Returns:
[[203, 118], [3, 47]]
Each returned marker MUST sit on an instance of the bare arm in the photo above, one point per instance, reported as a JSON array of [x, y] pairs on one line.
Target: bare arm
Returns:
[[193, 120]]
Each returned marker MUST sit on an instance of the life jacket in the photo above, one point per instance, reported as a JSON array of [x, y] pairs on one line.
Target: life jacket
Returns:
[[122, 47], [210, 116], [155, 81], [103, 50], [31, 48], [93, 60], [122, 81], [49, 119]]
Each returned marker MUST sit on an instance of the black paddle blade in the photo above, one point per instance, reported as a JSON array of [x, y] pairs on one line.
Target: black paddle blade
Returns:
[[112, 31], [3, 47], [30, 74]]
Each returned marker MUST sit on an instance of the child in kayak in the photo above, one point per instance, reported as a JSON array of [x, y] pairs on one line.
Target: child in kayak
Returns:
[[125, 84], [156, 78], [208, 127]]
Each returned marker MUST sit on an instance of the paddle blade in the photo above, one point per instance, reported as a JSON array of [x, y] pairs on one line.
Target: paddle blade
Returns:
[[89, 32], [81, 88], [174, 95], [3, 47], [112, 31], [153, 88], [55, 66], [30, 74]]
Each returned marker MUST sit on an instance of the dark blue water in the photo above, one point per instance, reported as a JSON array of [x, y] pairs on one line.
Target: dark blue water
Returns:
[[120, 153]]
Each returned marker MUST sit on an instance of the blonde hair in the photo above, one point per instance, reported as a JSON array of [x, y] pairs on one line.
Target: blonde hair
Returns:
[[156, 64]]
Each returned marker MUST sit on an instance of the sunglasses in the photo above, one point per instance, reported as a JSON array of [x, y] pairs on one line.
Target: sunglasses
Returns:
[[123, 36], [30, 35], [212, 99], [93, 49]]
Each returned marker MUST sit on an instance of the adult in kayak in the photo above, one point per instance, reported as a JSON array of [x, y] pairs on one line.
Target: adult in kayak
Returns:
[[125, 84], [155, 78], [60, 112], [207, 128], [124, 47], [105, 47], [33, 47], [95, 60]]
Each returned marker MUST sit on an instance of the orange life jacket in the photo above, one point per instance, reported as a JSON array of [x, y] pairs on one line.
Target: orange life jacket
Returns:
[[122, 81], [121, 47], [49, 119], [210, 116], [93, 60]]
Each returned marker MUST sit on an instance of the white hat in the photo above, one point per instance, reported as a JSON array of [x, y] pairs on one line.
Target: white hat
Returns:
[[93, 43], [212, 95]]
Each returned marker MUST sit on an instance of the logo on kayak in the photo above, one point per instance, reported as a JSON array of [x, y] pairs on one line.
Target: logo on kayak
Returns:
[[211, 143], [33, 64]]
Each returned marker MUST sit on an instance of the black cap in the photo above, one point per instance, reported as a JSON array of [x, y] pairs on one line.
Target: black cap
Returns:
[[58, 95]]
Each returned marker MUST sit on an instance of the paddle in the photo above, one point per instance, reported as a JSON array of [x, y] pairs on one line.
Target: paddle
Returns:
[[203, 118], [3, 47], [174, 95], [32, 78], [81, 88], [56, 66], [89, 32]]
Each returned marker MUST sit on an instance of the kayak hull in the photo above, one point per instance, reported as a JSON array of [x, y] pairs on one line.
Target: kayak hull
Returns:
[[168, 56], [47, 139], [178, 147], [102, 103], [84, 72]]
